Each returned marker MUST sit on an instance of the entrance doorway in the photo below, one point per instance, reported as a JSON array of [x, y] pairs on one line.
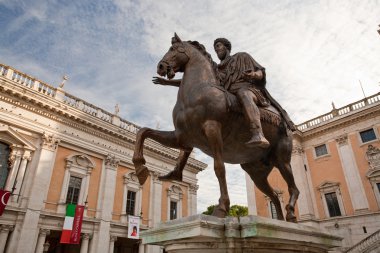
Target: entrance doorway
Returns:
[[125, 245]]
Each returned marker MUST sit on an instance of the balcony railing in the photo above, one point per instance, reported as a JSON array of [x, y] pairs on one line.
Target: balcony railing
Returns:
[[32, 83], [339, 112]]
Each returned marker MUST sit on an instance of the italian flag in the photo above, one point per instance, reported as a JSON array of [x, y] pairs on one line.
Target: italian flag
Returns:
[[72, 224]]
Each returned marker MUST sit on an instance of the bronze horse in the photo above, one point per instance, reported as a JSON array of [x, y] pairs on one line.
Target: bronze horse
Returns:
[[203, 119]]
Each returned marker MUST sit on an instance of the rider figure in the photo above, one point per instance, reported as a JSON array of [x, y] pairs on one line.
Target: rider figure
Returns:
[[241, 75]]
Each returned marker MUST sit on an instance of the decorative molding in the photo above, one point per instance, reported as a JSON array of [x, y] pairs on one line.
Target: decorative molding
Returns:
[[6, 228], [373, 157], [175, 191], [111, 161], [86, 236], [113, 238], [327, 186], [49, 141], [193, 188], [297, 150], [342, 140], [131, 178], [44, 231]]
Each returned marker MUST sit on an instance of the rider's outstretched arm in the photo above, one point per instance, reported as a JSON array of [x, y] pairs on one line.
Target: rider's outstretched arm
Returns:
[[163, 81]]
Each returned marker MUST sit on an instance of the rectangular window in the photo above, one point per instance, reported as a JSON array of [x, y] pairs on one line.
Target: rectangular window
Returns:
[[332, 204], [273, 210], [368, 135], [321, 150], [378, 187], [131, 202], [74, 190], [173, 210]]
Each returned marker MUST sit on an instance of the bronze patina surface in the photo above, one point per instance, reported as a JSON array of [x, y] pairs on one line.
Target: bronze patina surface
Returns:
[[224, 110]]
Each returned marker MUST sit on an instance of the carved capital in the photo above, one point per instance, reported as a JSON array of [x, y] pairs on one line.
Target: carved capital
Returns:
[[113, 238], [44, 232], [112, 161], [86, 236], [155, 176], [342, 140], [49, 142], [6, 228], [27, 155], [193, 188], [297, 150]]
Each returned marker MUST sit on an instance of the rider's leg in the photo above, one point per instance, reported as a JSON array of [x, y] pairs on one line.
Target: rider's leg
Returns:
[[251, 112]]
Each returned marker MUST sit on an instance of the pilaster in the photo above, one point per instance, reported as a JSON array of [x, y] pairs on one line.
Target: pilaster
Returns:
[[351, 174], [155, 199], [304, 203], [110, 166], [41, 175]]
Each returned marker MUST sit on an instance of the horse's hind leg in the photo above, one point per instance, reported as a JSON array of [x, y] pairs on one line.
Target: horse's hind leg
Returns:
[[166, 138], [287, 174], [259, 173], [212, 130]]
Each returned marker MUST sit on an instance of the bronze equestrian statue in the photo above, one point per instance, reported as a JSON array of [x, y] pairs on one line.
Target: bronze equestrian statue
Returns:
[[218, 110]]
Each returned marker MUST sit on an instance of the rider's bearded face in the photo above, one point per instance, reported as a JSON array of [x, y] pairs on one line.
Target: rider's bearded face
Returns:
[[221, 51]]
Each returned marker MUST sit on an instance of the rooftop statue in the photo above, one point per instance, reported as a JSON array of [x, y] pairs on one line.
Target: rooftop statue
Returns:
[[224, 110]]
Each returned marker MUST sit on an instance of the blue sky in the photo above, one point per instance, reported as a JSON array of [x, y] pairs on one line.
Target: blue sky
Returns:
[[314, 52]]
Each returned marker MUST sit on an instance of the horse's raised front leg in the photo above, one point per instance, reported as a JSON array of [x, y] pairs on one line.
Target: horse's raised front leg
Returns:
[[166, 138], [212, 130], [176, 174]]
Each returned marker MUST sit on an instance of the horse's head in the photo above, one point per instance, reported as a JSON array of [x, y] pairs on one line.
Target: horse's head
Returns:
[[174, 60]]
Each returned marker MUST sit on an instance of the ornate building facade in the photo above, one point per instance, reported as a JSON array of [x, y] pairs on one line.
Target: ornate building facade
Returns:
[[56, 149], [336, 165]]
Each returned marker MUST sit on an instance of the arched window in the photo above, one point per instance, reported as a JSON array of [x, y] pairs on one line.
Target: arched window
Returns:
[[4, 163]]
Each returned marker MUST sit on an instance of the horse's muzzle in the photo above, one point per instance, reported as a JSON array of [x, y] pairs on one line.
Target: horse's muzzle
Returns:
[[163, 69]]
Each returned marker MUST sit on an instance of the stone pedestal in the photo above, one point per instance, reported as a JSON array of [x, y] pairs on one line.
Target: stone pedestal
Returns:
[[250, 234]]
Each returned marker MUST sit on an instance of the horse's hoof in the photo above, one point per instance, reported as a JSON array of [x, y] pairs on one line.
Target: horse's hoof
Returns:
[[291, 218], [142, 173], [172, 175], [219, 212]]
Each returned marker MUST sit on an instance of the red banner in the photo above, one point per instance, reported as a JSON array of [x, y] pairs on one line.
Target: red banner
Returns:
[[77, 225], [4, 196]]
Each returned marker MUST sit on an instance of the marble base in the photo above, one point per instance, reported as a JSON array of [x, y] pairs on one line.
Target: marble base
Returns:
[[249, 234]]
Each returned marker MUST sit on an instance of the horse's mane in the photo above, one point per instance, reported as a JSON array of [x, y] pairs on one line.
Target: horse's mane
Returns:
[[201, 49]]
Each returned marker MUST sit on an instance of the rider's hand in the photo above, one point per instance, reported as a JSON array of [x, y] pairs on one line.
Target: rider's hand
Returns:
[[159, 80], [249, 75]]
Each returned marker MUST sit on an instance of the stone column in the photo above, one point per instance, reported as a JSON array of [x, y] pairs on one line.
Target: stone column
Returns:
[[251, 195], [141, 247], [15, 158], [155, 199], [41, 240], [20, 175], [352, 176], [112, 243], [84, 244], [41, 175], [304, 203], [107, 199], [4, 232], [192, 209]]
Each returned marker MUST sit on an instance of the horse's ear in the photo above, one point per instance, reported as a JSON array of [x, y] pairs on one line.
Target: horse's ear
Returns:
[[176, 38]]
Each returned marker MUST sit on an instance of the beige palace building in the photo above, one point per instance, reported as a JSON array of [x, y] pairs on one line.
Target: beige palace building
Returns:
[[336, 165], [56, 149]]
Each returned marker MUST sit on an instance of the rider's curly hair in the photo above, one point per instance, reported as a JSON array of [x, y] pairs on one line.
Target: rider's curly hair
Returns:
[[225, 42]]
